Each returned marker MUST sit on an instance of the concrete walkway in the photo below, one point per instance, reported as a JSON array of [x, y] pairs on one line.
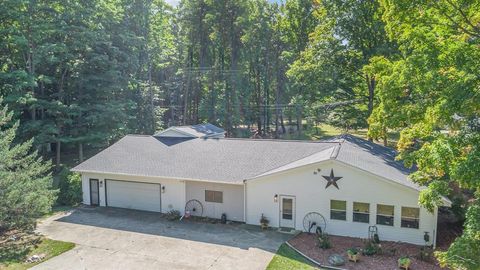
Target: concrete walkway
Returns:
[[109, 238]]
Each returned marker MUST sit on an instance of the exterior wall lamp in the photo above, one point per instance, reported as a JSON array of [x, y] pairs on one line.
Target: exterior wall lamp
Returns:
[[163, 189], [426, 237], [275, 198]]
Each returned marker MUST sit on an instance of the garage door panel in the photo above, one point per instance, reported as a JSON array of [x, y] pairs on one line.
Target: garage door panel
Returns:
[[133, 195]]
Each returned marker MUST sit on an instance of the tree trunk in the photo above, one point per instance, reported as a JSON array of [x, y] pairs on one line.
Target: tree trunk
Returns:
[[371, 94], [385, 136], [80, 152], [57, 158]]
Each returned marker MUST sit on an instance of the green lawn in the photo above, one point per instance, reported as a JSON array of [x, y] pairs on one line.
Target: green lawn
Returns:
[[287, 258], [50, 248]]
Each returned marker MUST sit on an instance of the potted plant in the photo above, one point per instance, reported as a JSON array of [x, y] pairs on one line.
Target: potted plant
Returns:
[[264, 222], [404, 262], [353, 254]]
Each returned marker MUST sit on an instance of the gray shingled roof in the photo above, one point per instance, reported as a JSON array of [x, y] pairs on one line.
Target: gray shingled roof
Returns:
[[225, 160], [235, 160]]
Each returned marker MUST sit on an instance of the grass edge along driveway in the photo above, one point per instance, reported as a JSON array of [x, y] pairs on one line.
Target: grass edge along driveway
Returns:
[[49, 247], [287, 258]]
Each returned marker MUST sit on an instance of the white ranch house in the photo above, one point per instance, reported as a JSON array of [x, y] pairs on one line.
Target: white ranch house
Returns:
[[244, 178]]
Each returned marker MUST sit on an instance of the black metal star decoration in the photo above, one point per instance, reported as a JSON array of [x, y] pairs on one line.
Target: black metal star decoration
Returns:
[[332, 179]]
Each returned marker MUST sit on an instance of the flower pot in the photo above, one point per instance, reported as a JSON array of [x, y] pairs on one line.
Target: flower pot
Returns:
[[404, 265], [353, 257]]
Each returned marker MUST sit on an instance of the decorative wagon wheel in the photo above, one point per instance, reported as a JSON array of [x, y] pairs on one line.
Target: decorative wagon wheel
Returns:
[[194, 207], [314, 222]]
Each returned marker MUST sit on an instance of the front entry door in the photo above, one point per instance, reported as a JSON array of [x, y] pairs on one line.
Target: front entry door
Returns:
[[287, 211], [94, 193]]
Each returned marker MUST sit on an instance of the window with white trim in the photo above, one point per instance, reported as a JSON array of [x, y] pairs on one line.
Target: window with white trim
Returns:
[[361, 212], [338, 210], [213, 196], [385, 214], [410, 217]]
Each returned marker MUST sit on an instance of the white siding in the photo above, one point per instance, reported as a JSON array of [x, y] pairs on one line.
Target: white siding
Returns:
[[356, 185], [172, 198], [232, 199]]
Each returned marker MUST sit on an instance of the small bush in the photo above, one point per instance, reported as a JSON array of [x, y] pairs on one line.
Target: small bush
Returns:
[[371, 248], [15, 245], [173, 215], [70, 187], [352, 251], [425, 254], [404, 260], [324, 241]]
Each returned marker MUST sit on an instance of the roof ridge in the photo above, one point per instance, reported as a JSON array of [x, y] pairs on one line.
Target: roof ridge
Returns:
[[336, 150], [138, 135], [290, 162], [277, 140]]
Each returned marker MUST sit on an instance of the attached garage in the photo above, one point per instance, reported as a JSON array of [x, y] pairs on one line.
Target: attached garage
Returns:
[[133, 195]]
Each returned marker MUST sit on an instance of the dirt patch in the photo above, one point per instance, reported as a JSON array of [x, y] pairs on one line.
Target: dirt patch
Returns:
[[391, 251]]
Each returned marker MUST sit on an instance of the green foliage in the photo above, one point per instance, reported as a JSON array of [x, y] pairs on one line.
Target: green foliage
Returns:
[[25, 181], [459, 207], [324, 241], [353, 251], [331, 68], [371, 247], [49, 247], [464, 253], [70, 187], [431, 93], [16, 245], [404, 261]]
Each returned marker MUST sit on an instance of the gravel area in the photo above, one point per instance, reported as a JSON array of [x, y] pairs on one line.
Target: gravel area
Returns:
[[307, 244]]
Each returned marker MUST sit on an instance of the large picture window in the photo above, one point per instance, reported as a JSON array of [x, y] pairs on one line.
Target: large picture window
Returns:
[[213, 196], [385, 214], [338, 210], [410, 217], [361, 212]]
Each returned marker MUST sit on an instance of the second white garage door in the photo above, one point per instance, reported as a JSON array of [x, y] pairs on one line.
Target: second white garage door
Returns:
[[133, 195]]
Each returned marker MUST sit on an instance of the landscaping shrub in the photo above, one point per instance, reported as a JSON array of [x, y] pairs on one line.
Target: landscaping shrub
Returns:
[[15, 245], [70, 187], [371, 248], [324, 241], [173, 215], [425, 254], [352, 251]]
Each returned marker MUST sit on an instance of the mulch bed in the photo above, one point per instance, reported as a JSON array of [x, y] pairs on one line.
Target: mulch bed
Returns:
[[307, 244]]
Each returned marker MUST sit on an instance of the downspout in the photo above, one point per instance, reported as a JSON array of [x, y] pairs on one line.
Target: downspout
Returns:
[[245, 201]]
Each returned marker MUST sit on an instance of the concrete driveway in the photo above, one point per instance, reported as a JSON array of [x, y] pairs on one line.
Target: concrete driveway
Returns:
[[110, 238]]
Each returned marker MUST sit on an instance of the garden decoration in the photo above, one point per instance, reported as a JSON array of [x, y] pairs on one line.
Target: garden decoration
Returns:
[[332, 179], [314, 222], [193, 208], [264, 222], [353, 254], [404, 262]]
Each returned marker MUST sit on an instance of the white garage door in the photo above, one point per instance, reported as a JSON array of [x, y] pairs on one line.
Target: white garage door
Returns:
[[133, 195]]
